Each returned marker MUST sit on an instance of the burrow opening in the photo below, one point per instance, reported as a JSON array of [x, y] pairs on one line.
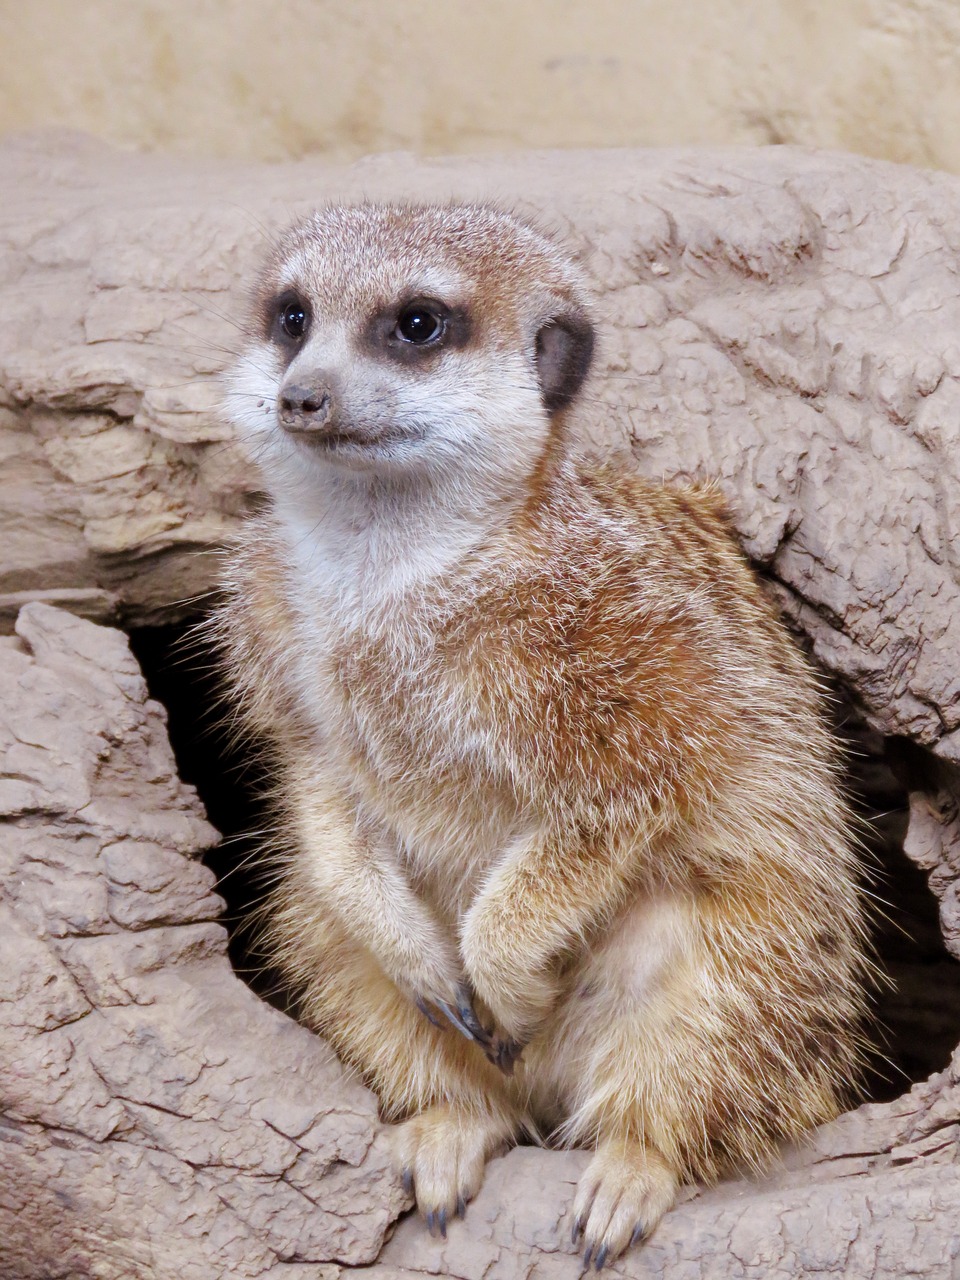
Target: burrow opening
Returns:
[[916, 1019]]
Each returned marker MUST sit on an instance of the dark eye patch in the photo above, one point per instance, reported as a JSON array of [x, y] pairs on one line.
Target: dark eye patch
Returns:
[[416, 328], [286, 317]]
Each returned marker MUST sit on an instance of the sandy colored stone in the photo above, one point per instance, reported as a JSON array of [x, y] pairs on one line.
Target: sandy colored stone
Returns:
[[158, 1120], [788, 322], [351, 77]]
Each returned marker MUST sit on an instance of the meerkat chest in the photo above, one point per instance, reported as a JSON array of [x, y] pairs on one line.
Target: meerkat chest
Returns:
[[397, 730]]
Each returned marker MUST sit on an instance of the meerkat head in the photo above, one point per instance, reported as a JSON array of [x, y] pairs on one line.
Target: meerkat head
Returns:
[[410, 341]]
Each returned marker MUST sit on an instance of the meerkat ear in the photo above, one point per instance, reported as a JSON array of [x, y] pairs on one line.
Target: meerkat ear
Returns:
[[564, 350]]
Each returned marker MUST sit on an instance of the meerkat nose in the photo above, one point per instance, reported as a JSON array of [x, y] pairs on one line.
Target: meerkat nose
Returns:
[[304, 408]]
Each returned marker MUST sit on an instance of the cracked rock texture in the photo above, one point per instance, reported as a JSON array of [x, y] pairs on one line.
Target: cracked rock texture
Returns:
[[158, 1120], [786, 321]]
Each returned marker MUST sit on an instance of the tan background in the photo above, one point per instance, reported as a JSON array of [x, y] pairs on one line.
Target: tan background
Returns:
[[268, 79]]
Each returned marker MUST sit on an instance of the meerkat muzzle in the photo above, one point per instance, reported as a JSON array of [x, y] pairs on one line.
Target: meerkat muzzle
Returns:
[[305, 408], [313, 413]]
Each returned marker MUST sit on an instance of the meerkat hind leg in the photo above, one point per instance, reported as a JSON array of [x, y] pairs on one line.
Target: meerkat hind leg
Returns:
[[457, 1102], [613, 1039], [442, 1153]]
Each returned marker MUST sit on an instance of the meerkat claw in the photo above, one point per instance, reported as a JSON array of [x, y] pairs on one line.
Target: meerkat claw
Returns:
[[469, 1016], [436, 1221], [406, 1181], [461, 1207], [505, 1054], [456, 1020], [426, 1011], [595, 1257]]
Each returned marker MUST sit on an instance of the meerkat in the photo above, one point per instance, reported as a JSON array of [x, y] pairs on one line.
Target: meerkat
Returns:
[[568, 853]]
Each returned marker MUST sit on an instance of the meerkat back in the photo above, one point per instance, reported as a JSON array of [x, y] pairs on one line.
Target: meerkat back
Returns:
[[567, 852]]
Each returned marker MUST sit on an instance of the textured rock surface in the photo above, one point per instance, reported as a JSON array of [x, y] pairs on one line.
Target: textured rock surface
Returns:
[[789, 322], [878, 77], [158, 1119]]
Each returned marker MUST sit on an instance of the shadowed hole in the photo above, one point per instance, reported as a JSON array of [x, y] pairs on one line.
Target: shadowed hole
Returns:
[[229, 779], [917, 1020]]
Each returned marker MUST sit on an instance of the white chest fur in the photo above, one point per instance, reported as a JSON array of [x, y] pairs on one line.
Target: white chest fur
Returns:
[[394, 726]]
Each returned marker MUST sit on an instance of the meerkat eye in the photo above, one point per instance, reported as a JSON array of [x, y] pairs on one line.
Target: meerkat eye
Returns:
[[293, 317], [419, 323]]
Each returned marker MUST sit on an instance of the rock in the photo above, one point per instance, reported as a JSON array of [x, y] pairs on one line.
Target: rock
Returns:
[[158, 1119], [786, 321]]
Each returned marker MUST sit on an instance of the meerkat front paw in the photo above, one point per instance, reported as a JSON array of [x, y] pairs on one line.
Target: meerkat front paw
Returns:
[[434, 982], [624, 1192], [519, 993], [520, 1003], [441, 1154]]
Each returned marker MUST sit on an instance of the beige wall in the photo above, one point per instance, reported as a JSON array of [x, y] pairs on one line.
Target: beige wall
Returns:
[[277, 78]]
